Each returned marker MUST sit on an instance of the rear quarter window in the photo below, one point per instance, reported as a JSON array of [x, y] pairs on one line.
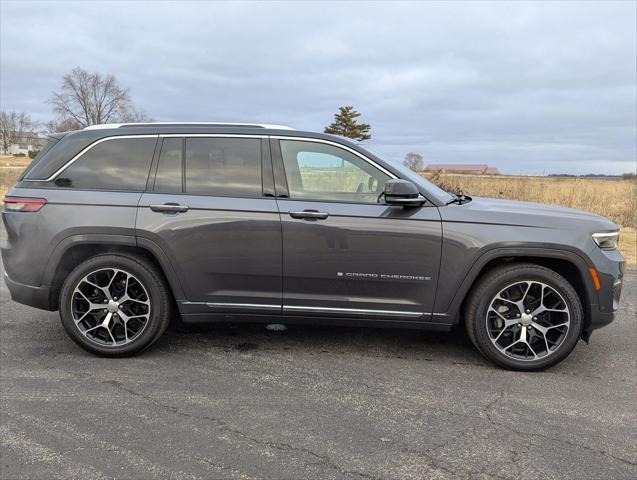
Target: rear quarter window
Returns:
[[50, 143], [113, 164]]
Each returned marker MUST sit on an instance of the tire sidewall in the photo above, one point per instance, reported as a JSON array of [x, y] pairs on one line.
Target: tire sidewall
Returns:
[[153, 288], [495, 284]]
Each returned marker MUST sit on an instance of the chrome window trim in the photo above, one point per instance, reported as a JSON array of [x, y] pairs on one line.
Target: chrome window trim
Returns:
[[338, 145], [86, 149], [212, 135]]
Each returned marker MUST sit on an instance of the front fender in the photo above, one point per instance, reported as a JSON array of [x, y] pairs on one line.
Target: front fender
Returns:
[[450, 296]]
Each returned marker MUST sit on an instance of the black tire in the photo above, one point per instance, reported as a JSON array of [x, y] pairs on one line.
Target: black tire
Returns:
[[154, 285], [485, 291]]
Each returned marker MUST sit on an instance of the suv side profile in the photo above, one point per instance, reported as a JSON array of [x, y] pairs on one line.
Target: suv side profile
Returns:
[[120, 227]]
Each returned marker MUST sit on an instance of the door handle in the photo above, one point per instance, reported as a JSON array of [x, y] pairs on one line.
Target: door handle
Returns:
[[309, 214], [169, 208]]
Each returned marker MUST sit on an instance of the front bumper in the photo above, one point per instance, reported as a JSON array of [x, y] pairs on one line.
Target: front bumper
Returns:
[[36, 297], [610, 266]]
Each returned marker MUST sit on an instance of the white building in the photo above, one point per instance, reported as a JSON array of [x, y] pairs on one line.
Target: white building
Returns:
[[23, 146]]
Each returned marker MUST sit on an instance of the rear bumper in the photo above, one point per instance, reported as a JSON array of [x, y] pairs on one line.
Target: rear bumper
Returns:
[[36, 297]]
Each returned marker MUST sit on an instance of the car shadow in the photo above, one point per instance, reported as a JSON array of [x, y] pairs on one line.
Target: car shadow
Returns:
[[453, 347]]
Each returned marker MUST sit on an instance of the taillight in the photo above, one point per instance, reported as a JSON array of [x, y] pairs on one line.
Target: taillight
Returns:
[[19, 204]]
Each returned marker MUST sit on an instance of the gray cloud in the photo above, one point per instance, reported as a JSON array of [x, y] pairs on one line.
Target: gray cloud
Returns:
[[527, 87]]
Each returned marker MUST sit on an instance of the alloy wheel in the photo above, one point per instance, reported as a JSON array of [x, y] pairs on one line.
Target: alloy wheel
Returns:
[[528, 320], [110, 307]]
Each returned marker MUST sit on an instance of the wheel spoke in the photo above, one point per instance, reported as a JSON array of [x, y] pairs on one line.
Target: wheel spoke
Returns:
[[507, 321], [523, 335], [104, 290], [521, 305], [539, 327], [560, 325]]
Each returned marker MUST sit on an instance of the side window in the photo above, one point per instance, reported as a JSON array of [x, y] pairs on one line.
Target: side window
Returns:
[[169, 172], [317, 171], [223, 167], [117, 164]]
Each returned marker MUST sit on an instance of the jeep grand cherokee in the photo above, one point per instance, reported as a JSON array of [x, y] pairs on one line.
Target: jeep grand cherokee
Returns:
[[120, 227]]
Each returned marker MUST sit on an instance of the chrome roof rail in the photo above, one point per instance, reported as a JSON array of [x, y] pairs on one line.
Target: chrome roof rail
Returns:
[[103, 126]]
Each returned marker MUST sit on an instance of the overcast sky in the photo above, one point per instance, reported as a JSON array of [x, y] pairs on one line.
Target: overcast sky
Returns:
[[541, 87]]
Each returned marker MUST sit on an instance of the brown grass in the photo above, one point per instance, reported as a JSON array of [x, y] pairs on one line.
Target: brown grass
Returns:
[[614, 199], [8, 177], [11, 161]]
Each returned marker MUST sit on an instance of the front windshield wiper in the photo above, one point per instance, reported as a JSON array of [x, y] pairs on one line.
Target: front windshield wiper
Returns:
[[459, 199]]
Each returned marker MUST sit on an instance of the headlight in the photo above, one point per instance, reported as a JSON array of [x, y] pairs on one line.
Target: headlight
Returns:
[[606, 240]]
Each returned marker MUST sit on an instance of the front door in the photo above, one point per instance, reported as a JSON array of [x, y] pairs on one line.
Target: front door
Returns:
[[346, 253], [211, 210]]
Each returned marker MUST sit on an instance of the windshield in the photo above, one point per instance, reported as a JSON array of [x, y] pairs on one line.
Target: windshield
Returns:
[[419, 180], [437, 192]]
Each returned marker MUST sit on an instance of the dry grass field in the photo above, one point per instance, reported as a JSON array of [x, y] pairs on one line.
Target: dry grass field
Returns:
[[615, 199]]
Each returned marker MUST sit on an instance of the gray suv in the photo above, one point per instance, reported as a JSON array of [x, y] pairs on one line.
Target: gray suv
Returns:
[[121, 227]]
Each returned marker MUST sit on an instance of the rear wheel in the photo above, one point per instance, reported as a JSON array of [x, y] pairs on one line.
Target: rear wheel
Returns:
[[115, 304], [524, 317]]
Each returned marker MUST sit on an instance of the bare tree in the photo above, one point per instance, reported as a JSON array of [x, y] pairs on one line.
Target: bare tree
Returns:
[[86, 98], [62, 125], [15, 127], [414, 161], [135, 116]]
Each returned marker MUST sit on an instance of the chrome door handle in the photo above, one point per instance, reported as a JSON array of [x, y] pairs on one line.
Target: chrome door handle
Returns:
[[309, 214], [169, 208]]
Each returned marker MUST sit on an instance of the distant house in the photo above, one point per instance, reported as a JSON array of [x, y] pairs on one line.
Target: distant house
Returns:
[[473, 168], [23, 146]]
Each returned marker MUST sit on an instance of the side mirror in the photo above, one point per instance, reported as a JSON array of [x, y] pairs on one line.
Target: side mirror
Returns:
[[403, 193]]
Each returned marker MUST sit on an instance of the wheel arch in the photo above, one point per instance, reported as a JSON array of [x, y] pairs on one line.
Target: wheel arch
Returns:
[[73, 250], [568, 264]]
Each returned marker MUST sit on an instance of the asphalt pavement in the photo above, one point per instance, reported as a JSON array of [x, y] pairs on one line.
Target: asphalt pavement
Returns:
[[311, 403]]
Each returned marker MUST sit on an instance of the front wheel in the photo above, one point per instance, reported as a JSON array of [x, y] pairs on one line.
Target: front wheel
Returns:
[[115, 304], [524, 317]]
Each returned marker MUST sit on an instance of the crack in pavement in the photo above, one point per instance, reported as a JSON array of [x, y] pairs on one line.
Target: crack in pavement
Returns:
[[323, 460], [486, 410]]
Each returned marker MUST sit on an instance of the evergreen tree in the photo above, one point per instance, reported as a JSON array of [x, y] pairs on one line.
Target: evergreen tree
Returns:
[[345, 125]]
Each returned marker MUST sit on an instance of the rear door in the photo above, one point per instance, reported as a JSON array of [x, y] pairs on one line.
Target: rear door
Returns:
[[346, 253], [211, 211]]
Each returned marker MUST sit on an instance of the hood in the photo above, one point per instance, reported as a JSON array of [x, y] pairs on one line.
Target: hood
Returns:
[[529, 214]]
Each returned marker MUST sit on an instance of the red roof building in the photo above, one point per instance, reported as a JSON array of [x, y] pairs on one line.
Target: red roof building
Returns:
[[474, 168]]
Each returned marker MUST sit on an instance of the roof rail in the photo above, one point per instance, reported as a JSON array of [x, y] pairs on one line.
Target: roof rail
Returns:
[[192, 124]]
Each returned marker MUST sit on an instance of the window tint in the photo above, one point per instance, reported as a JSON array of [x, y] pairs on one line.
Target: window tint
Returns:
[[50, 143], [168, 177], [223, 166], [317, 171], [118, 164]]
